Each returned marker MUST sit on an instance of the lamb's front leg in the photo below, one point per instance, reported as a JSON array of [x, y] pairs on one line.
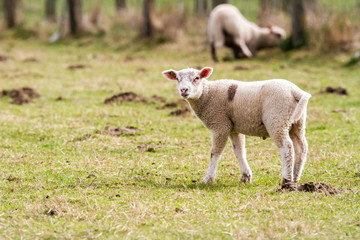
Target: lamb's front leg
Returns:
[[238, 146], [218, 144], [244, 48]]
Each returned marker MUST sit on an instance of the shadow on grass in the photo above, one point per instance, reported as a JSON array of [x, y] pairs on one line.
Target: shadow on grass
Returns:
[[216, 186]]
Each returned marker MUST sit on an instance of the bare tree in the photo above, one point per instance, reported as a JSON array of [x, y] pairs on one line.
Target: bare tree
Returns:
[[10, 12], [217, 2], [298, 23], [119, 5], [75, 17], [148, 26], [200, 7], [50, 10]]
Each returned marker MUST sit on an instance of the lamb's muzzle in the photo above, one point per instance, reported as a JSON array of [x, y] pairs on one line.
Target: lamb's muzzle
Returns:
[[232, 109]]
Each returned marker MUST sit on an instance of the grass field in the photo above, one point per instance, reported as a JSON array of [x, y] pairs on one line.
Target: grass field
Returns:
[[62, 178]]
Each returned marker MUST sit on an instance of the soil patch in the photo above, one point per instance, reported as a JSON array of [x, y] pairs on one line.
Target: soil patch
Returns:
[[118, 131], [143, 70], [30, 59], [3, 58], [20, 96], [77, 66], [60, 98], [339, 110], [180, 112], [183, 107], [83, 138], [147, 148], [240, 68], [12, 178], [157, 98], [337, 90], [125, 97], [310, 187]]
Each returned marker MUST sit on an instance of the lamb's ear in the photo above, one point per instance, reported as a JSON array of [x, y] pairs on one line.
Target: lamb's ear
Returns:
[[170, 74], [206, 72]]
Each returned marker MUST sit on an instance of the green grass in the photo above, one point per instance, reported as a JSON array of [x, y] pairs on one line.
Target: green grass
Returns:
[[55, 186]]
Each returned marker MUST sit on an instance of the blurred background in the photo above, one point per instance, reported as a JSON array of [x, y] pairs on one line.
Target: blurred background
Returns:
[[330, 25]]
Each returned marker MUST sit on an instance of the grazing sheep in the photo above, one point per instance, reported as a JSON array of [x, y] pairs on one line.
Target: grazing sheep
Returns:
[[227, 26], [229, 108]]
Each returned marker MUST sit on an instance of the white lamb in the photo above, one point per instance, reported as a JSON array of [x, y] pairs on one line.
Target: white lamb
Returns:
[[229, 108], [227, 26]]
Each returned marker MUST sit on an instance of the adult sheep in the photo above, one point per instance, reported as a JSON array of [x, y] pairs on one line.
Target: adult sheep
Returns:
[[227, 26], [232, 109]]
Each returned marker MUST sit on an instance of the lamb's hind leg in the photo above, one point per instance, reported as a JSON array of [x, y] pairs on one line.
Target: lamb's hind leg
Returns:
[[238, 146], [213, 52], [297, 135], [218, 144], [284, 143]]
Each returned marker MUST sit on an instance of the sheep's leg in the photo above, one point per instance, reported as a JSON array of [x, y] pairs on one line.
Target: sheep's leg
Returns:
[[284, 143], [238, 146], [297, 135], [218, 144], [244, 48], [236, 52], [287, 155], [213, 52]]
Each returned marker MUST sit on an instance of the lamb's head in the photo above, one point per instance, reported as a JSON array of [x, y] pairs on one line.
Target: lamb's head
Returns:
[[275, 35], [189, 81]]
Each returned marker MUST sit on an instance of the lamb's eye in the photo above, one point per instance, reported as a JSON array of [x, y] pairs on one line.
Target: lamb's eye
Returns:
[[195, 79]]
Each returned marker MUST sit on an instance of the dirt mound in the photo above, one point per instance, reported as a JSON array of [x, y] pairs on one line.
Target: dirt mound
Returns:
[[20, 96], [317, 187], [180, 112], [157, 98], [118, 131], [148, 148], [3, 58], [125, 97], [30, 59], [240, 68], [83, 138], [183, 107], [310, 187], [77, 66], [338, 90]]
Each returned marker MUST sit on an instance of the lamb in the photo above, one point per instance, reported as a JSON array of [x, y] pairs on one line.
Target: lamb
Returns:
[[227, 26], [232, 109]]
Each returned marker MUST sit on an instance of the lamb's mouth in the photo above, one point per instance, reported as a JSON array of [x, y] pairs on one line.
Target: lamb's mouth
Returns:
[[184, 95]]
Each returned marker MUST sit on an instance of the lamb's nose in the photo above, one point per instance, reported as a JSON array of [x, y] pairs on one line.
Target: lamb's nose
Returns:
[[184, 91]]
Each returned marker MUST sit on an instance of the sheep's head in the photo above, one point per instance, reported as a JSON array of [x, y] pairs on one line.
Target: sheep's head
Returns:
[[276, 35], [189, 81]]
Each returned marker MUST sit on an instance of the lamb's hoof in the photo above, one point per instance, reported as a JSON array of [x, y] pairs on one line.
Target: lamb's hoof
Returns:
[[246, 178], [288, 185], [208, 180]]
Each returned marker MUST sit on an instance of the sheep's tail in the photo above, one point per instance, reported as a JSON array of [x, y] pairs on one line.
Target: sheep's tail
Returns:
[[302, 98]]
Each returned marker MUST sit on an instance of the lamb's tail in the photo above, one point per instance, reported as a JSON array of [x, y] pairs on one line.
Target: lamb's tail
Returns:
[[302, 98]]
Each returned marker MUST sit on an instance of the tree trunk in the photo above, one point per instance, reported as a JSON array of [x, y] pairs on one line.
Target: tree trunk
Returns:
[[200, 7], [298, 23], [10, 13], [50, 10], [75, 17], [148, 26], [217, 2], [120, 5]]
